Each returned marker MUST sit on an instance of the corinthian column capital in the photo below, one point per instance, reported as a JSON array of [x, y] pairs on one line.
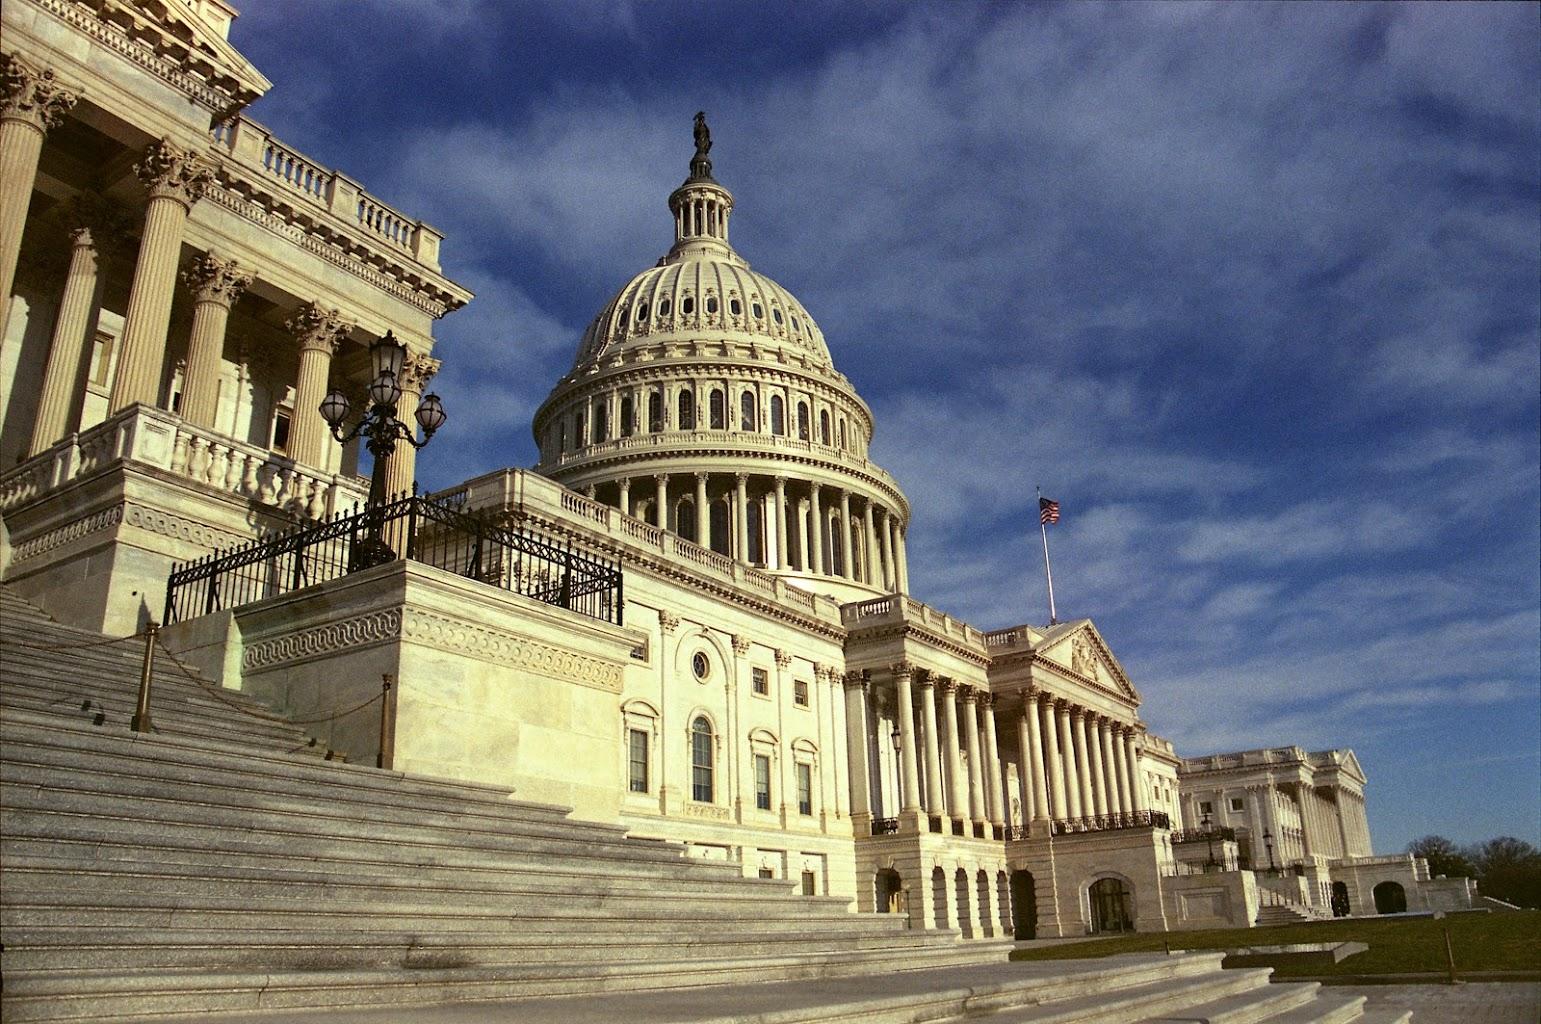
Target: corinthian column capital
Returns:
[[317, 328], [214, 279], [417, 371], [171, 172], [31, 95]]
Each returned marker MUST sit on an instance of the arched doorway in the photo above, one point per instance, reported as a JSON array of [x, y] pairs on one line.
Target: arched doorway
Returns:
[[1024, 905], [890, 892], [1340, 906], [939, 896], [1390, 898], [965, 919], [1112, 906], [1002, 904], [986, 926]]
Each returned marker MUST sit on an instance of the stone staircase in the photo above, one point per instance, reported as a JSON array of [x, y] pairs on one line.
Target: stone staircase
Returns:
[[1285, 913], [220, 864]]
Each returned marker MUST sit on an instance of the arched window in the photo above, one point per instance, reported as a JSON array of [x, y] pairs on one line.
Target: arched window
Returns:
[[734, 307], [687, 305], [701, 760], [778, 415], [834, 548], [687, 417], [602, 421], [823, 426], [711, 303], [579, 438], [802, 421], [561, 437], [858, 550], [642, 313], [748, 418], [842, 434], [755, 517], [719, 410], [722, 533], [628, 422], [655, 411], [663, 307], [685, 519]]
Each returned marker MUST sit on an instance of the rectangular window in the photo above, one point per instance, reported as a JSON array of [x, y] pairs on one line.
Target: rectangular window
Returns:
[[804, 788], [101, 359], [800, 693], [281, 420], [1236, 803], [638, 747], [761, 681], [762, 782], [810, 884], [1205, 807]]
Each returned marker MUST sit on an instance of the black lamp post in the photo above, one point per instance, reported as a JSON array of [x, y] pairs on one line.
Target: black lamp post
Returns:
[[1209, 835], [1268, 843], [381, 431]]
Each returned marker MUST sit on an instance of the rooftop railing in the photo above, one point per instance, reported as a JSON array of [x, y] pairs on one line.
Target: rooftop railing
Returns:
[[1112, 822]]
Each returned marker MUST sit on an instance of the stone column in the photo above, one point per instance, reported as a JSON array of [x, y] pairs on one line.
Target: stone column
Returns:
[[1025, 769], [624, 497], [1067, 757], [870, 556], [782, 559], [957, 799], [741, 514], [903, 555], [993, 792], [802, 535], [71, 346], [1121, 765], [1054, 763], [703, 518], [216, 284], [848, 569], [1109, 773], [318, 331], [31, 103], [175, 179], [839, 763], [401, 467], [890, 579], [816, 528], [1083, 768], [661, 501], [976, 794], [936, 806], [1034, 757], [1094, 757], [856, 746], [1136, 784], [909, 764]]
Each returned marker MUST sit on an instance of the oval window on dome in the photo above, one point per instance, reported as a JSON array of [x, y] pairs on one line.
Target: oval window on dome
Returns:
[[663, 307], [711, 303], [734, 307], [687, 305], [701, 665], [759, 314], [642, 312], [796, 326], [776, 314], [622, 320]]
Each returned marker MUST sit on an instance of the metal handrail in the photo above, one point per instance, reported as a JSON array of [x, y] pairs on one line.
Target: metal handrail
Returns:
[[1110, 822]]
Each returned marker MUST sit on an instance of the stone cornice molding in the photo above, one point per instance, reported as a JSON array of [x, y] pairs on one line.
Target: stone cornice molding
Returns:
[[317, 328], [213, 279], [170, 172], [31, 95], [920, 634]]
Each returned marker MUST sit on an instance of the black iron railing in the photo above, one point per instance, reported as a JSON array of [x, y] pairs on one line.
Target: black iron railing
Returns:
[[885, 826], [1016, 833], [1109, 822], [1203, 835], [413, 527]]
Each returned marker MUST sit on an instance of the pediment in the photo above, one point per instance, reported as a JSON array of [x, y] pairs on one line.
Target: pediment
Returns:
[[1079, 649]]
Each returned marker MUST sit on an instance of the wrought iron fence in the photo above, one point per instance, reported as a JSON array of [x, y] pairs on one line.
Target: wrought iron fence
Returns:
[[885, 826], [413, 527], [1203, 835], [1109, 822]]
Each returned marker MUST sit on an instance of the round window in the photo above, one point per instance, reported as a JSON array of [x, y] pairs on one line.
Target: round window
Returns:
[[700, 665]]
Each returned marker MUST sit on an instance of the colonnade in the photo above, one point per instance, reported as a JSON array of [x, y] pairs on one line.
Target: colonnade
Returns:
[[781, 522], [175, 179], [1074, 762]]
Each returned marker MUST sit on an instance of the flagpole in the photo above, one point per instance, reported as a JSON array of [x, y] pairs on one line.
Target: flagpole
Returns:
[[1043, 528]]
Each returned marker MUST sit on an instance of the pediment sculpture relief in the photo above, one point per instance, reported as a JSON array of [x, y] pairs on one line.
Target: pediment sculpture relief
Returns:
[[1082, 658]]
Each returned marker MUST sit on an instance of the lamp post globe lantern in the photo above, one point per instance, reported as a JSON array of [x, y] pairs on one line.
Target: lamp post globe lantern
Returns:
[[1268, 843], [1209, 835]]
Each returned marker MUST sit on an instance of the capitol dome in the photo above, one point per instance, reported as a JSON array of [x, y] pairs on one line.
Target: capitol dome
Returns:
[[704, 385]]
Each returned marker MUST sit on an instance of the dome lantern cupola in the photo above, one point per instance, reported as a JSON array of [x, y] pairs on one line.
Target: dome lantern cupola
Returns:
[[701, 206]]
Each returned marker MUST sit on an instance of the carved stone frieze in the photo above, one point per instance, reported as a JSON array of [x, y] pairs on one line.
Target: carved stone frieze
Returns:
[[214, 279], [32, 547], [171, 172], [1083, 659], [506, 648], [317, 641], [31, 94]]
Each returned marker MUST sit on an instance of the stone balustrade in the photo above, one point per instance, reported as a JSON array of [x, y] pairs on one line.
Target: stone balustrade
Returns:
[[901, 607], [163, 441]]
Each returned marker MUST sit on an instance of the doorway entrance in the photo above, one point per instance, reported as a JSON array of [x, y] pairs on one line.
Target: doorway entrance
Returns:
[[1390, 898], [1112, 906], [1024, 905]]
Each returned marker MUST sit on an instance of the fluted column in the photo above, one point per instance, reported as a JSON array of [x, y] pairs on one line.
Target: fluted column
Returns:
[[993, 794], [1054, 762], [175, 179], [890, 579], [1025, 769], [31, 103], [624, 497], [909, 763], [976, 794], [1067, 758], [1083, 767], [1033, 754], [661, 501], [318, 332], [901, 552], [1099, 787], [857, 746], [741, 514], [957, 786], [816, 528], [216, 284], [1121, 763], [870, 556], [783, 561], [71, 346], [401, 467], [703, 519], [1105, 729], [936, 805], [1136, 784], [848, 569], [802, 536]]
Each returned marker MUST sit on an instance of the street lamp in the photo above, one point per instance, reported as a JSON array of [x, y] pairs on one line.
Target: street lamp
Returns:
[[1210, 836], [1268, 842], [381, 431]]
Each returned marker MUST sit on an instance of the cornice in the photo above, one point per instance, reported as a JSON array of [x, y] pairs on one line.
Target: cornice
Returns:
[[1032, 658], [911, 631]]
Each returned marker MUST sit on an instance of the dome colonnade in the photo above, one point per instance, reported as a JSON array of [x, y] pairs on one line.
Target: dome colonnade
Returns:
[[704, 400]]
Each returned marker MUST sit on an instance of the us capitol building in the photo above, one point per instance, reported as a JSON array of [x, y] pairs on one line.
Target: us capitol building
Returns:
[[692, 618]]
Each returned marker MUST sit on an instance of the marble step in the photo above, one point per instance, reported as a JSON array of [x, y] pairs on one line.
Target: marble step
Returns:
[[1253, 1006], [1151, 999], [22, 665], [31, 996], [1327, 1007]]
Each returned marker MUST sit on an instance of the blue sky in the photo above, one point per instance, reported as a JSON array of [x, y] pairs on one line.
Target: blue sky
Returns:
[[1251, 289]]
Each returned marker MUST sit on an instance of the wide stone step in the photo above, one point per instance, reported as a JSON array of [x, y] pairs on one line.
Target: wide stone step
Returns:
[[1327, 1008], [166, 685], [1250, 1007], [1149, 999], [37, 997]]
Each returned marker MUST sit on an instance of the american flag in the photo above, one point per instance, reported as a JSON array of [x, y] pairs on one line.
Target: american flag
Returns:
[[1048, 511]]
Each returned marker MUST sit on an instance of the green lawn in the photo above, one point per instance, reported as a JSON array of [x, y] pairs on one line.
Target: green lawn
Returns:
[[1409, 945]]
